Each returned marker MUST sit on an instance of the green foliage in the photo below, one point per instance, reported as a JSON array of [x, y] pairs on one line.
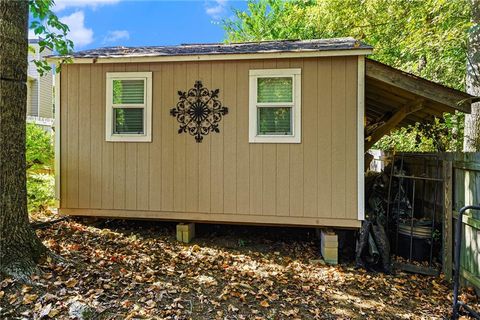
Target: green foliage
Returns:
[[39, 148], [52, 32], [272, 19], [424, 37], [40, 191], [443, 135], [40, 181], [401, 140]]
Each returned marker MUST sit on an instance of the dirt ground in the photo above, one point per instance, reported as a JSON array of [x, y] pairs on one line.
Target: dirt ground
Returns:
[[137, 270]]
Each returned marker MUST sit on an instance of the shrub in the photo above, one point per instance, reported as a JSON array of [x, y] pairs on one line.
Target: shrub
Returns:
[[40, 152], [40, 191], [40, 179]]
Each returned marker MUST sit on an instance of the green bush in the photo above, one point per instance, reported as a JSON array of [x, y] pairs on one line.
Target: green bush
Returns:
[[40, 158], [40, 151], [40, 191]]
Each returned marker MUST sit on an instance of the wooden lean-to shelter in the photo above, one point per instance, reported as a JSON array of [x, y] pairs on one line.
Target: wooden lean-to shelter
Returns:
[[255, 133]]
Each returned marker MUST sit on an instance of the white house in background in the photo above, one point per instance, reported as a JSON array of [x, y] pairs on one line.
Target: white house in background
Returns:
[[39, 90]]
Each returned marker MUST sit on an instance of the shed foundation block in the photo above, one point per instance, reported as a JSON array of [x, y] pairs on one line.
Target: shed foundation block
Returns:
[[185, 232], [329, 246]]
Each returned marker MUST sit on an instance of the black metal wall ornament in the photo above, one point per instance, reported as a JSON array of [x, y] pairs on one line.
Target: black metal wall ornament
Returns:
[[199, 111]]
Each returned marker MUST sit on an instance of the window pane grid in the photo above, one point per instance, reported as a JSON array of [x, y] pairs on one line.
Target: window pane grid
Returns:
[[274, 121], [128, 106], [128, 91], [128, 121], [274, 106], [275, 89]]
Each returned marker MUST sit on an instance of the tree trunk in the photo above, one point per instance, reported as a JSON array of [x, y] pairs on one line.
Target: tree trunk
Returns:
[[20, 248], [471, 140]]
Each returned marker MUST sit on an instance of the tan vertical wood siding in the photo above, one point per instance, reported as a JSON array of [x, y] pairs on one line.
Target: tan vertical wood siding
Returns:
[[224, 178]]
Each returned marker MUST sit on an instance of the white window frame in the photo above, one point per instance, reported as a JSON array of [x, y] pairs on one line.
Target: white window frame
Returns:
[[296, 136], [146, 136]]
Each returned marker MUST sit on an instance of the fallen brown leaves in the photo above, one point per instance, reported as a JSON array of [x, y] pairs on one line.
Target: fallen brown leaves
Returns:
[[132, 270]]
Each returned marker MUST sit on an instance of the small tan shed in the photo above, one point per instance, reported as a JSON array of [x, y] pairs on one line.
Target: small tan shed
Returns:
[[254, 133]]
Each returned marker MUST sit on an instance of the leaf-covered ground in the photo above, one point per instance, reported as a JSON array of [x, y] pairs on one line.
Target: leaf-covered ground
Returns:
[[137, 270]]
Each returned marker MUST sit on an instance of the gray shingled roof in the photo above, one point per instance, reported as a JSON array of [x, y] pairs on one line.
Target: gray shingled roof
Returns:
[[221, 48]]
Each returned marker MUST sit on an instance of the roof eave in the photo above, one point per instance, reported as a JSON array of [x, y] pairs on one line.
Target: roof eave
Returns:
[[421, 87], [213, 57]]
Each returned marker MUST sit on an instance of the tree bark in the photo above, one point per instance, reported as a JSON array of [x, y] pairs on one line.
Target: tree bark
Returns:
[[471, 140], [20, 248]]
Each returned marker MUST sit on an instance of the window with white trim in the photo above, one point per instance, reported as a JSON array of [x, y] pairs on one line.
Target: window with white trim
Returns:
[[275, 102], [129, 106]]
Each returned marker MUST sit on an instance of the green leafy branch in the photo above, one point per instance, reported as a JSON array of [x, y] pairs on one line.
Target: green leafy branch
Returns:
[[53, 33]]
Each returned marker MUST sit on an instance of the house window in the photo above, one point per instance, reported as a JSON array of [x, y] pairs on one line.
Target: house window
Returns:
[[275, 100], [129, 106]]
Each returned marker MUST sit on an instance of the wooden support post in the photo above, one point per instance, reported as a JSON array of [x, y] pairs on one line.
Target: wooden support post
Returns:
[[447, 242], [393, 121]]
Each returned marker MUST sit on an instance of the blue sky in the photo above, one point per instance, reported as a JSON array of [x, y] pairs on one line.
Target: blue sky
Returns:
[[100, 23]]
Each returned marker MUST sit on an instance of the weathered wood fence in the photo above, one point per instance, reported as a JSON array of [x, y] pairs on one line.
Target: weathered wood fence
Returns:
[[462, 187]]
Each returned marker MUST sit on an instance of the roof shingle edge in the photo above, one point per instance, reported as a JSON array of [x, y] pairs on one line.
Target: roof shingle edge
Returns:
[[280, 46]]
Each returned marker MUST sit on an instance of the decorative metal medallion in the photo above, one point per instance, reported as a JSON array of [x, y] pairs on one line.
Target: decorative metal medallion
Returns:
[[198, 111]]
